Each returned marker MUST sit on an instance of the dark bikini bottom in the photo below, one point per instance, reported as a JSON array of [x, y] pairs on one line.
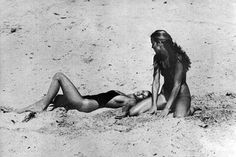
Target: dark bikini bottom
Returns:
[[103, 98]]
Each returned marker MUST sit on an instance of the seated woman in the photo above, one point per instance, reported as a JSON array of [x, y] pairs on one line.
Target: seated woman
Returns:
[[72, 99], [172, 63]]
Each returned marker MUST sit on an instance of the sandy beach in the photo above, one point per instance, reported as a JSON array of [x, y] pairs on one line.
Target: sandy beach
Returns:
[[103, 45]]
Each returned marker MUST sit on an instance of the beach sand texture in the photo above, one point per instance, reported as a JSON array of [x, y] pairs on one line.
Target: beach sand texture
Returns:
[[105, 44]]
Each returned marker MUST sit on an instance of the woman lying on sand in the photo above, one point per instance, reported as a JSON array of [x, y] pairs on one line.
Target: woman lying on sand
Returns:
[[172, 63], [72, 99]]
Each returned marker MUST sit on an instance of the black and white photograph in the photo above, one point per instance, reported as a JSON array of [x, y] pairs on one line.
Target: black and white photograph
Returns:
[[117, 78]]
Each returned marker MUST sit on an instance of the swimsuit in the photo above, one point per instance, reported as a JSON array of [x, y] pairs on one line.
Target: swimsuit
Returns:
[[103, 98]]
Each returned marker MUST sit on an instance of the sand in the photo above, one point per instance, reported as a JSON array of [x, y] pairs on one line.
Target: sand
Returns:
[[103, 45]]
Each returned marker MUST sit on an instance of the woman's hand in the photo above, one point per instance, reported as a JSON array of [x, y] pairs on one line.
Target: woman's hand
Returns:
[[164, 113]]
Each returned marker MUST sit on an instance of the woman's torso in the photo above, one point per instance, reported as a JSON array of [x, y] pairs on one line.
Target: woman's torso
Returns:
[[169, 74], [103, 98], [111, 98]]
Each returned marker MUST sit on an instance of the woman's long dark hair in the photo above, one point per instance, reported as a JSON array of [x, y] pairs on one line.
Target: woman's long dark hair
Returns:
[[184, 57], [174, 52]]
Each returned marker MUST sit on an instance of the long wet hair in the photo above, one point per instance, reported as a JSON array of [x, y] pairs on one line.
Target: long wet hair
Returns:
[[174, 52]]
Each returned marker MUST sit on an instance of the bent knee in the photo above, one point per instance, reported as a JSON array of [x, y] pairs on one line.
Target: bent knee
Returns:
[[58, 76]]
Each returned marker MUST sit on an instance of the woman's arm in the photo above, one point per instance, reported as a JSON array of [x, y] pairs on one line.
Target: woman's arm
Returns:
[[155, 89], [134, 109], [177, 84], [120, 101]]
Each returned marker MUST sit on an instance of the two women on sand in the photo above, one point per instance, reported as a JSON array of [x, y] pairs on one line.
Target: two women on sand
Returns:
[[170, 61]]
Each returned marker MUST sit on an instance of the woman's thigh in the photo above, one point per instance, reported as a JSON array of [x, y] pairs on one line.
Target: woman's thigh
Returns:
[[141, 107], [69, 90], [182, 106], [146, 105], [86, 105]]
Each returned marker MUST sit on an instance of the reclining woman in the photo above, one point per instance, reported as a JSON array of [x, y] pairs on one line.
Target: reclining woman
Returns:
[[72, 99]]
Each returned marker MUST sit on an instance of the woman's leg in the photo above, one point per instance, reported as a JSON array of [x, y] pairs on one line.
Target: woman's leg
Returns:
[[182, 107], [75, 100], [86, 106], [141, 107], [146, 104], [69, 91]]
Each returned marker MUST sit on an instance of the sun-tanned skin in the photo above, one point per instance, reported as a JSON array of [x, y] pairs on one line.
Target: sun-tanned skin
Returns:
[[175, 95], [72, 99], [169, 61]]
